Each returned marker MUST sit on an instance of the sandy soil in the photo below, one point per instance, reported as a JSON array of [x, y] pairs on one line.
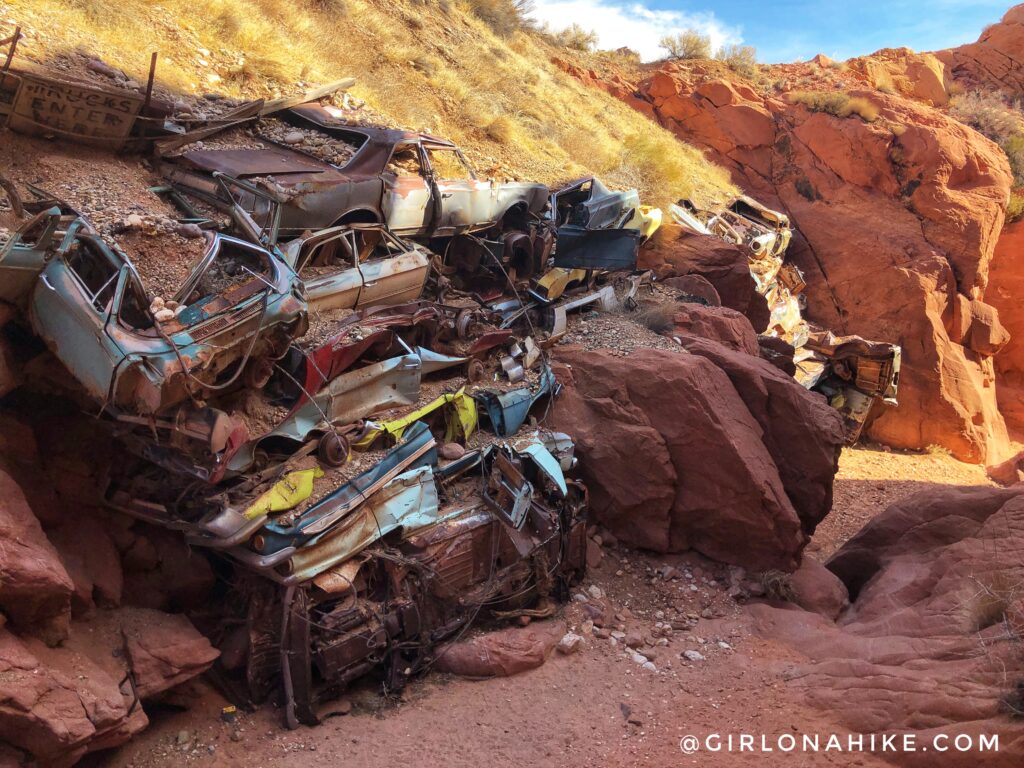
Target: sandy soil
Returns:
[[872, 477], [573, 710]]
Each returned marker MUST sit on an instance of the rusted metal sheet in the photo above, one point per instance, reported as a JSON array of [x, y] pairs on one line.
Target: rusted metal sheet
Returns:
[[604, 249]]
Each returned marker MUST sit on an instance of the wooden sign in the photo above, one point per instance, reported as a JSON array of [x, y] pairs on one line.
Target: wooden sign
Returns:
[[82, 113]]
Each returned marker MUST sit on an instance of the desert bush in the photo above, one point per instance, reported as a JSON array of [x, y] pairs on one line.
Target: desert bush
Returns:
[[1015, 208], [575, 37], [988, 114], [777, 585], [832, 102], [688, 44], [836, 103], [501, 129], [505, 17], [658, 318], [866, 110], [741, 59]]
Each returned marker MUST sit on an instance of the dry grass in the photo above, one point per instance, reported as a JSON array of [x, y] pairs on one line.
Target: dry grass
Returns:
[[741, 59], [443, 67], [836, 103]]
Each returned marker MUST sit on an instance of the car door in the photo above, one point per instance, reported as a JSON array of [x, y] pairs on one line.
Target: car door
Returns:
[[465, 202], [327, 264], [71, 305], [408, 203], [24, 255], [392, 273]]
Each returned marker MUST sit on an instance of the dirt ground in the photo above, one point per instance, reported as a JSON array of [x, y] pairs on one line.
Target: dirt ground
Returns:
[[596, 707]]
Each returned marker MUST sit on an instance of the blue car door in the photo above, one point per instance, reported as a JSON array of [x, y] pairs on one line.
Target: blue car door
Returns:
[[71, 305]]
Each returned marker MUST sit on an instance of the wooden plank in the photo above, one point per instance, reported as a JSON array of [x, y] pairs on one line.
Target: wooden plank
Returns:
[[314, 94], [74, 111], [238, 116]]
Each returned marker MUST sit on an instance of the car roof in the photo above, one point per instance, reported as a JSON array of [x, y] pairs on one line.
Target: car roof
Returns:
[[320, 115]]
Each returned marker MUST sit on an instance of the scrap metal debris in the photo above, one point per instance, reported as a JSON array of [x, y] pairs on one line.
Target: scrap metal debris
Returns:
[[361, 299], [284, 407], [853, 373]]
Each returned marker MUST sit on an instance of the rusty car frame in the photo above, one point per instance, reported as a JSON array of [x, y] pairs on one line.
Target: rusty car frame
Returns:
[[375, 575], [240, 307], [396, 177]]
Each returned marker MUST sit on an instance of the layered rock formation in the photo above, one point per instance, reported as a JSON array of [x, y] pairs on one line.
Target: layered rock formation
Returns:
[[897, 213], [69, 644], [932, 641], [996, 60], [1006, 293]]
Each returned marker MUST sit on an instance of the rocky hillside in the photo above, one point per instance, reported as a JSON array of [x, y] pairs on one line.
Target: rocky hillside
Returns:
[[467, 71], [899, 205]]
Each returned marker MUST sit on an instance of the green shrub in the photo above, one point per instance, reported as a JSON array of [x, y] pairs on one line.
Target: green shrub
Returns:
[[1015, 208], [688, 44], [576, 37], [741, 59]]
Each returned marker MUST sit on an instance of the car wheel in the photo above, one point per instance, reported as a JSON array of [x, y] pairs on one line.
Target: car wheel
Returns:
[[475, 371], [333, 450], [258, 372]]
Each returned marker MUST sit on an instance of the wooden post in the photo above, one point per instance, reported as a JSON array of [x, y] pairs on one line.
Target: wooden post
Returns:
[[10, 51], [149, 83]]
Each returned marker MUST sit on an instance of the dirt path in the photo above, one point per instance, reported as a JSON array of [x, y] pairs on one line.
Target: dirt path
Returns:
[[572, 711]]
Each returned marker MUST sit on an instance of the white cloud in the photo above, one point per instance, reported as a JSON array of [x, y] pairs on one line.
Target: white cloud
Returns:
[[632, 24]]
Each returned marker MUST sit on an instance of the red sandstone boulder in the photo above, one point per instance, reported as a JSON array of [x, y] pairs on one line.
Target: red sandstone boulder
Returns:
[[724, 325], [35, 589], [675, 459], [163, 650], [801, 431], [56, 704], [1009, 472], [163, 572], [91, 559], [697, 287], [818, 590], [502, 653], [678, 252]]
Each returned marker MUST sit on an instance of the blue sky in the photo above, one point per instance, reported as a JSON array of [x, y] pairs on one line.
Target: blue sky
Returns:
[[784, 30]]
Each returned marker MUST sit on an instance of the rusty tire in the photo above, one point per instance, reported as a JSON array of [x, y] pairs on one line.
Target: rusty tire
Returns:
[[258, 372], [475, 371], [333, 450], [464, 323]]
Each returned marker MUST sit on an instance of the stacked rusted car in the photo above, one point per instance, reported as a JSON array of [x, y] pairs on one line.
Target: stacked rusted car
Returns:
[[343, 402]]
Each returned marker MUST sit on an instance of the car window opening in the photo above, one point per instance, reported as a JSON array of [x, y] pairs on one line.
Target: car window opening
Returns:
[[235, 270], [94, 270], [449, 164], [405, 161]]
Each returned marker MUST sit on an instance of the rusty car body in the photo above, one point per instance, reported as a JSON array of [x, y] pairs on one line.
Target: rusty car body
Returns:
[[378, 586], [419, 185], [239, 308], [597, 228], [853, 373], [357, 265], [374, 575], [588, 203]]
